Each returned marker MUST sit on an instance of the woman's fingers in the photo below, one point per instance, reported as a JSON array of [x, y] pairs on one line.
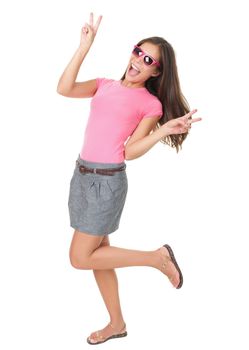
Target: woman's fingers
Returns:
[[189, 115], [97, 23], [91, 19], [86, 28], [182, 125], [193, 111], [195, 120], [89, 31], [187, 120], [91, 22]]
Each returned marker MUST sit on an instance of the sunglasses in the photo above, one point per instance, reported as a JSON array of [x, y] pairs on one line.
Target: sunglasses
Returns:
[[148, 60]]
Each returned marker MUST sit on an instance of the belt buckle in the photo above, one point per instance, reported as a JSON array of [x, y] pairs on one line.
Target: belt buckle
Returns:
[[82, 169]]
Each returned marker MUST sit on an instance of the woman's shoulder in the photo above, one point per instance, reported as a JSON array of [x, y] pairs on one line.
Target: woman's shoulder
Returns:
[[152, 105], [152, 99]]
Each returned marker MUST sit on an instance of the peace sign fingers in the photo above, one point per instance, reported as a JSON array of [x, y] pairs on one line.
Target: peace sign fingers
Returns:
[[97, 24], [195, 120], [91, 22], [91, 19], [89, 32], [188, 118]]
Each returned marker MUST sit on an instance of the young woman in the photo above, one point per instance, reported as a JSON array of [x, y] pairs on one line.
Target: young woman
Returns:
[[146, 106]]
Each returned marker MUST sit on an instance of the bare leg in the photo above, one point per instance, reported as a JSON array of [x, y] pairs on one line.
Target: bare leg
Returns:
[[108, 285], [86, 253]]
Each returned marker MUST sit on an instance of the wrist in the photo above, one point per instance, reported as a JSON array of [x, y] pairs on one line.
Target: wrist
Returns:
[[83, 49], [163, 131]]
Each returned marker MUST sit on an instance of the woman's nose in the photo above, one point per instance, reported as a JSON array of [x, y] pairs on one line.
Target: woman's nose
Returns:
[[139, 60]]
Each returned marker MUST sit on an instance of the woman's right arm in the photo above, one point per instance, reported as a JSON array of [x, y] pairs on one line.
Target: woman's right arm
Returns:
[[67, 85]]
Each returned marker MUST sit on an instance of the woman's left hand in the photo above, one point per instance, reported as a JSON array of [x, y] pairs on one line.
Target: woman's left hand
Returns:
[[180, 125]]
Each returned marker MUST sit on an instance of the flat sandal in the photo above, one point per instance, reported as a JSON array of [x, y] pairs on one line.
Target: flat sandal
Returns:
[[120, 334], [175, 263]]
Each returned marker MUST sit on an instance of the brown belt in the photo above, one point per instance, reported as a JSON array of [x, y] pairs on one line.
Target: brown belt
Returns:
[[107, 171]]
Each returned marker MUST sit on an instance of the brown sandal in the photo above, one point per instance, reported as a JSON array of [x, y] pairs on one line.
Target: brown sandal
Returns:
[[120, 334], [175, 263]]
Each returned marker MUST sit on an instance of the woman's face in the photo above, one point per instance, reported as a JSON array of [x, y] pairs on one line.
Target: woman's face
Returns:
[[137, 70]]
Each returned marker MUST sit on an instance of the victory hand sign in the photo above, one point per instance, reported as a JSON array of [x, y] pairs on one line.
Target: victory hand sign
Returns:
[[180, 125], [89, 32]]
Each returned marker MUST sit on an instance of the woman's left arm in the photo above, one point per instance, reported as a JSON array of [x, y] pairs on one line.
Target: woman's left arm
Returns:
[[142, 140]]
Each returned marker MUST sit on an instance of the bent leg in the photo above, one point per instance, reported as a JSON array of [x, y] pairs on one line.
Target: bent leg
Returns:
[[82, 246], [87, 253]]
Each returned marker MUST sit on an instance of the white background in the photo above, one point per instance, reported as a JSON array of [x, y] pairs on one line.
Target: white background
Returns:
[[196, 200]]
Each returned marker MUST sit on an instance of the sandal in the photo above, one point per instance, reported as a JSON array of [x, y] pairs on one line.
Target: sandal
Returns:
[[175, 263], [101, 339]]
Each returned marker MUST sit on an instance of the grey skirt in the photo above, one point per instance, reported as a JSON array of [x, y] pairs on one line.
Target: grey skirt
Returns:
[[96, 201]]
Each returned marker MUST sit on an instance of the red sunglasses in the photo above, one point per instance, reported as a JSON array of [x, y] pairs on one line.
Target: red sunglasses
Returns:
[[148, 60]]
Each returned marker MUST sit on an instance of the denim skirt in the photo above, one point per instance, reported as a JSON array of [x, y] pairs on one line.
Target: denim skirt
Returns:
[[96, 201]]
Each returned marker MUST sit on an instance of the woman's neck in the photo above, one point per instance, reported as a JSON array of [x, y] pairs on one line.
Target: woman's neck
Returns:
[[131, 85]]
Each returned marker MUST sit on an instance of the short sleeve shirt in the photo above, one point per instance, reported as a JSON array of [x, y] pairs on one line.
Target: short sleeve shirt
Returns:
[[115, 112]]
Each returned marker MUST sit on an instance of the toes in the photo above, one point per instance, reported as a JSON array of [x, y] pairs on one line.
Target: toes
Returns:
[[93, 338], [175, 279], [168, 266], [171, 271]]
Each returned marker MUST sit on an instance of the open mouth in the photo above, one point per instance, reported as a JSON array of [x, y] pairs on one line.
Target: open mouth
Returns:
[[133, 70]]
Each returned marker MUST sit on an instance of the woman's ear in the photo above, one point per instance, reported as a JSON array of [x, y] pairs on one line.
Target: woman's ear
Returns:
[[155, 74]]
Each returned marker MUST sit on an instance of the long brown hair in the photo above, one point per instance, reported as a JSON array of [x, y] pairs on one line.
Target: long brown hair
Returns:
[[166, 87]]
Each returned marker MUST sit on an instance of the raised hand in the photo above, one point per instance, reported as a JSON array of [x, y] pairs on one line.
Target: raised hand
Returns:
[[89, 31], [180, 125]]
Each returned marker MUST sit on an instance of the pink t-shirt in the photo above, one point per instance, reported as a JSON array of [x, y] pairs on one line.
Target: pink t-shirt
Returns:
[[115, 112]]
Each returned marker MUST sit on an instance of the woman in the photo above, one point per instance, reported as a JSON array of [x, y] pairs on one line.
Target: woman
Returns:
[[147, 98]]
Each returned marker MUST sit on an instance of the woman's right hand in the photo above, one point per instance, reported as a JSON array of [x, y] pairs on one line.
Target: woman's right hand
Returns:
[[88, 32]]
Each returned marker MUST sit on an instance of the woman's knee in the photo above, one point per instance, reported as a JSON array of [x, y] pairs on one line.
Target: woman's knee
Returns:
[[78, 261], [81, 248]]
